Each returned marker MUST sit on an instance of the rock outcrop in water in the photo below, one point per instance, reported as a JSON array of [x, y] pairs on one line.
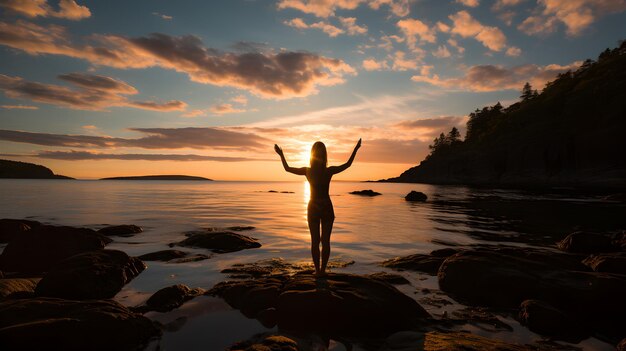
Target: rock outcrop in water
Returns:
[[219, 242], [125, 230], [38, 249], [170, 298], [11, 228], [368, 192], [25, 170], [90, 275], [569, 134], [41, 323], [337, 304]]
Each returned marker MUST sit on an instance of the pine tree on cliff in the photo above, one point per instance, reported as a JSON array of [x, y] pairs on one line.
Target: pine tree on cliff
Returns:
[[527, 92]]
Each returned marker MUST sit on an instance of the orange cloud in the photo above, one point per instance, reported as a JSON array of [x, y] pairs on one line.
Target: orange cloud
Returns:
[[68, 9], [327, 8], [467, 27], [576, 15], [371, 64], [468, 3], [414, 29], [19, 107], [95, 93], [222, 109], [484, 78], [281, 75]]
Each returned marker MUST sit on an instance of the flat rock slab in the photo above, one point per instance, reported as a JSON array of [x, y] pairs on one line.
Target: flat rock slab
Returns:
[[38, 249], [448, 341], [337, 304], [275, 266], [419, 262], [10, 286], [91, 275], [125, 230], [389, 278], [368, 192], [170, 298], [44, 323], [545, 319], [266, 343], [219, 242]]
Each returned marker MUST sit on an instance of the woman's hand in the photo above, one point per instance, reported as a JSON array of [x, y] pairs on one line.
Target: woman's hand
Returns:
[[278, 150], [358, 145]]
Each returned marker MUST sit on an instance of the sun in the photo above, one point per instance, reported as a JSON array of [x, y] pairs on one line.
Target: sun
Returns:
[[304, 157]]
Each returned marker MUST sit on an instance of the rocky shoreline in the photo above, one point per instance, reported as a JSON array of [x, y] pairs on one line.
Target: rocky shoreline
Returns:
[[57, 284]]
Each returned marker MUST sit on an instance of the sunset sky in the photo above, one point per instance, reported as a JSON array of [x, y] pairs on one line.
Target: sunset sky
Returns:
[[93, 89]]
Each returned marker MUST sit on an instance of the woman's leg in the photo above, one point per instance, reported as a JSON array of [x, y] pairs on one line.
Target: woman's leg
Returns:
[[327, 228], [314, 227]]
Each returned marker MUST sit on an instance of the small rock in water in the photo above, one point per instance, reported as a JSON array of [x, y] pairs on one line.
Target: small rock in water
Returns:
[[190, 258], [91, 275], [172, 297], [163, 255], [583, 242], [124, 230], [416, 196], [368, 192], [220, 242], [607, 262]]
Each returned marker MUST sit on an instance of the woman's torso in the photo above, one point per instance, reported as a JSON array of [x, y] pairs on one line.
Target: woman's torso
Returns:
[[319, 180]]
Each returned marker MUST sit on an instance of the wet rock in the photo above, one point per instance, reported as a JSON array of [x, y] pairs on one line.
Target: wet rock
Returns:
[[389, 278], [40, 248], [416, 196], [124, 230], [506, 277], [236, 228], [268, 317], [39, 323], [479, 317], [10, 228], [91, 275], [622, 345], [607, 262], [171, 297], [447, 341], [190, 258], [10, 286], [219, 242], [163, 255], [545, 319], [583, 242], [368, 192], [337, 304], [420, 262], [266, 343], [276, 265]]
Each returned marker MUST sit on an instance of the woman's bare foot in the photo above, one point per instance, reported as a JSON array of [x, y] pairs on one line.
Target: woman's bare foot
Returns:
[[320, 274]]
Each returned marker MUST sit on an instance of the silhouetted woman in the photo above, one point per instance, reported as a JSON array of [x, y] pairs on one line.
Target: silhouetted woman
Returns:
[[320, 210]]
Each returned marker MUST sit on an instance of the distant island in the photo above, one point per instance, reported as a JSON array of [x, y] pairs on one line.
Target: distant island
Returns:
[[158, 177], [572, 133], [25, 170]]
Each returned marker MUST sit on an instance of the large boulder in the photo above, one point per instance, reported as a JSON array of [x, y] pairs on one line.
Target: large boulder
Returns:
[[583, 242], [545, 319], [171, 297], [10, 286], [38, 249], [42, 323], [420, 262], [124, 230], [10, 228], [337, 304], [220, 242], [607, 262], [505, 277], [91, 275]]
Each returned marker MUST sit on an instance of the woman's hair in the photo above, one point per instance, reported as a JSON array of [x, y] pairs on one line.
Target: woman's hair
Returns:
[[319, 159]]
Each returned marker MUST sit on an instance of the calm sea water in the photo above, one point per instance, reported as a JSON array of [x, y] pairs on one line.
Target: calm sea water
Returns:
[[367, 230]]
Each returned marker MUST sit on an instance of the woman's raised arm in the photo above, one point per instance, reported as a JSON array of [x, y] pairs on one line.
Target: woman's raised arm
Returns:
[[298, 171], [343, 167]]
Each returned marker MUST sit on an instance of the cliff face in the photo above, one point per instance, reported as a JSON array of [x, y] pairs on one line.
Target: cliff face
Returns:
[[24, 170], [573, 133]]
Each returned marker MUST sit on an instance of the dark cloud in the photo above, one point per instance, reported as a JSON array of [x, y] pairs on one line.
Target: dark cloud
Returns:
[[95, 93], [86, 155], [269, 74], [155, 138], [434, 123]]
